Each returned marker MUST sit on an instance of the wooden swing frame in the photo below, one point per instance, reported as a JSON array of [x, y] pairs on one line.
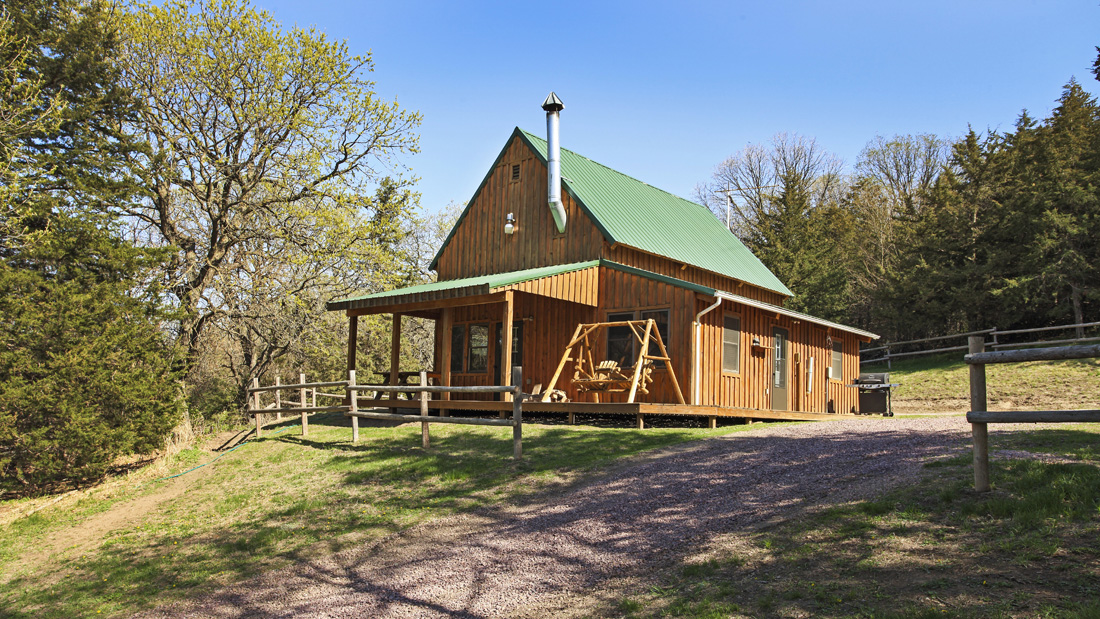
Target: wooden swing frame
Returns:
[[607, 377]]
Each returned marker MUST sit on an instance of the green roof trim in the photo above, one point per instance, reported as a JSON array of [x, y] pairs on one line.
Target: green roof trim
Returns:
[[481, 284]]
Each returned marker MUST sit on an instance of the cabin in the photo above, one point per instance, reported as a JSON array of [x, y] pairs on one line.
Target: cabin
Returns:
[[552, 241]]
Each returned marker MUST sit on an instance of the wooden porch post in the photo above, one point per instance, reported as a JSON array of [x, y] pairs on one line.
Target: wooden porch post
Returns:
[[353, 345], [395, 353], [506, 345], [445, 323]]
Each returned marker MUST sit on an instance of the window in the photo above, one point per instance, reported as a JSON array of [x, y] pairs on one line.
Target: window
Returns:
[[622, 345], [515, 171], [660, 317], [731, 344], [478, 349], [838, 358], [620, 340], [458, 347]]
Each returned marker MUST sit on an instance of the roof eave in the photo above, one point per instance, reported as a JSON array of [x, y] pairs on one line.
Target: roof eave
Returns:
[[736, 298]]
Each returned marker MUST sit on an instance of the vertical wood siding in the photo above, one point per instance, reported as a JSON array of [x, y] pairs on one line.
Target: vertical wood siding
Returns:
[[621, 291], [750, 388], [479, 245], [575, 286], [547, 326]]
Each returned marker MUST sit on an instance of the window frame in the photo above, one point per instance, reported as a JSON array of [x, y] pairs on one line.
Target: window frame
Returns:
[[635, 314], [836, 373], [470, 347], [740, 334], [617, 316]]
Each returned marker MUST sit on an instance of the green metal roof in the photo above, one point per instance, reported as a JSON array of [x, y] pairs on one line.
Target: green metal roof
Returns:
[[482, 284], [633, 213]]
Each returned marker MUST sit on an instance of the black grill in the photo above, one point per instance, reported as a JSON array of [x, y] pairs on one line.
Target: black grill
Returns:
[[874, 393]]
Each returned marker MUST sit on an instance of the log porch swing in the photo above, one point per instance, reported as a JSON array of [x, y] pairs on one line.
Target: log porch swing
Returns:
[[608, 376]]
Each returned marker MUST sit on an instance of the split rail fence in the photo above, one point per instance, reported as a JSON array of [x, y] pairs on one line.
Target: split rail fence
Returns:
[[888, 354], [979, 415], [350, 405]]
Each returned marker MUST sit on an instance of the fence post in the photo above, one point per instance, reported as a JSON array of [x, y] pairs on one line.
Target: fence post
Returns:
[[889, 365], [353, 397], [256, 405], [278, 398], [424, 437], [302, 403], [517, 412], [978, 403]]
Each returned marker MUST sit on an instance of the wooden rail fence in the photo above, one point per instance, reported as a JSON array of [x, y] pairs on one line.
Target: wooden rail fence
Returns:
[[979, 414], [351, 409], [888, 354], [258, 410]]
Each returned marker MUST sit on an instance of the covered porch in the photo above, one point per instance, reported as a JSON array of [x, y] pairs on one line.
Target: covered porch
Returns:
[[538, 307]]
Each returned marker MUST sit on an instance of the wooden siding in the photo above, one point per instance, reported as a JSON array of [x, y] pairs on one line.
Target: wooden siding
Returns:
[[576, 286], [479, 245], [658, 264], [547, 326], [620, 292], [750, 387]]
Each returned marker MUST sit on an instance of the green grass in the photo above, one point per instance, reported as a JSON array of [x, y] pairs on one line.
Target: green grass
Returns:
[[285, 498], [1034, 385], [936, 549]]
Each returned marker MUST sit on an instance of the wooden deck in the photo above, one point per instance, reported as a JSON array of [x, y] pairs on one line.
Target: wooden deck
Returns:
[[637, 408]]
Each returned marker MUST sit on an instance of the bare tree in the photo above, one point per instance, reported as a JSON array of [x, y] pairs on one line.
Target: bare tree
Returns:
[[905, 167], [751, 178]]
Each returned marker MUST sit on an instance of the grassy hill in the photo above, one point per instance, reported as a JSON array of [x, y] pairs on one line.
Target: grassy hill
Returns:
[[941, 384]]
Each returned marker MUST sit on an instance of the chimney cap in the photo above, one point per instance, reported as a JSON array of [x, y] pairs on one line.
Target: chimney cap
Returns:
[[552, 103]]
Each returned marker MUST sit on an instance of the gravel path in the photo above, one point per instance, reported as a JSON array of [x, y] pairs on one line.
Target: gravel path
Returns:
[[511, 561]]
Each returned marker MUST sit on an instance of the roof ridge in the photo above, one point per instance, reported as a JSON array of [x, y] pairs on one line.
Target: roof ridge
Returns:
[[623, 174]]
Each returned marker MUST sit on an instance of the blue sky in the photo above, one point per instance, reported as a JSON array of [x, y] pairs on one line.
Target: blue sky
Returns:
[[665, 91]]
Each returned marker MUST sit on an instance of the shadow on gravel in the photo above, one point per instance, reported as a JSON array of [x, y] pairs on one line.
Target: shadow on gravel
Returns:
[[630, 522]]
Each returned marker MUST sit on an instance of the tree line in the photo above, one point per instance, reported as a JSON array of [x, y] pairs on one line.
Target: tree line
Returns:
[[929, 236]]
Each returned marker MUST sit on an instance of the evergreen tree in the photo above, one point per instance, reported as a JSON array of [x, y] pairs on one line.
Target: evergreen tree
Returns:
[[85, 374], [1062, 200]]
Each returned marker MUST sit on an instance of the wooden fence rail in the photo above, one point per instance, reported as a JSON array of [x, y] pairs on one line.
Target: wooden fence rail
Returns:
[[994, 333], [979, 414], [422, 390], [351, 408], [277, 408]]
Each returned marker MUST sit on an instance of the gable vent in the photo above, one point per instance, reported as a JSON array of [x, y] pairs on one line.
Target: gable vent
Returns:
[[515, 171]]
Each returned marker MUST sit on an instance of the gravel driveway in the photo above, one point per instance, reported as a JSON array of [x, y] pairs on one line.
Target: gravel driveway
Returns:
[[515, 561]]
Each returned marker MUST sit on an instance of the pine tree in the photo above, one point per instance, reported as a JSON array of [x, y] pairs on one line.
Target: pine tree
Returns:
[[85, 373]]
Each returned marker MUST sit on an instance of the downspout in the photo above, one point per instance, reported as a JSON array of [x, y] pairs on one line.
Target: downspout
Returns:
[[695, 395], [553, 105]]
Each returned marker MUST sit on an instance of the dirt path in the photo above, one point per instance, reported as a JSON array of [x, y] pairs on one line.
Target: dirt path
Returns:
[[531, 560]]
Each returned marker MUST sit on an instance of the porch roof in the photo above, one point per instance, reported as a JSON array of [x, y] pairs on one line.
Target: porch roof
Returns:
[[455, 288]]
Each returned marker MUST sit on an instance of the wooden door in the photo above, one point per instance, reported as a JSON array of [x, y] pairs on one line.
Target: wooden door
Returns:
[[778, 382]]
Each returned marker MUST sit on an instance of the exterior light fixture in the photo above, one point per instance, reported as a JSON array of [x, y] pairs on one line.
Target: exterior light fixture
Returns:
[[509, 224]]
